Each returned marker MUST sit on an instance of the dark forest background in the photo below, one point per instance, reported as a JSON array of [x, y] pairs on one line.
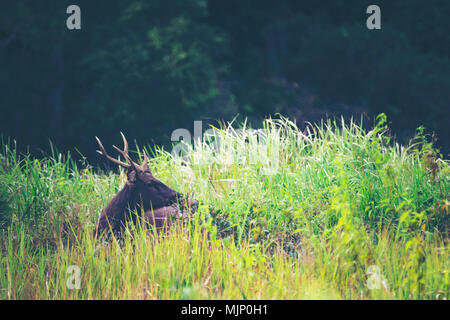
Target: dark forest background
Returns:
[[149, 67]]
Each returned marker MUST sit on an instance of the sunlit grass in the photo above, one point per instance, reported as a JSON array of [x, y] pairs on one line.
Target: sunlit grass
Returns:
[[333, 212]]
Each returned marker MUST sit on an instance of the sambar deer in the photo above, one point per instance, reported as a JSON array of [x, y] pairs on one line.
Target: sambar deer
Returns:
[[141, 193]]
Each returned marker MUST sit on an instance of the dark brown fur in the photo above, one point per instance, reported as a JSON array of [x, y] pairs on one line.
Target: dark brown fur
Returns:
[[142, 193]]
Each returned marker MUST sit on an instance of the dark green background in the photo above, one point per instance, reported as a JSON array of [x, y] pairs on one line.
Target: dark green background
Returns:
[[149, 67]]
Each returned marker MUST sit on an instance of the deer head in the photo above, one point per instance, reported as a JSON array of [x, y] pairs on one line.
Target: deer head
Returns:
[[141, 192]]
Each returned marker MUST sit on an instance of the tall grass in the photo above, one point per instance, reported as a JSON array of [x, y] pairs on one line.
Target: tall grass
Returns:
[[334, 211]]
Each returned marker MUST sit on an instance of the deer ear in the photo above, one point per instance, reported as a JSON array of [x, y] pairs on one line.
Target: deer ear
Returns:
[[131, 175], [145, 163]]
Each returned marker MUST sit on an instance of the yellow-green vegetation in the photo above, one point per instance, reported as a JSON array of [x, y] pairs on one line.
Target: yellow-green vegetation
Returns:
[[331, 212]]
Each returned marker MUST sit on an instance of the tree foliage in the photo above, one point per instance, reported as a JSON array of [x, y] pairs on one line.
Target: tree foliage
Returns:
[[149, 67]]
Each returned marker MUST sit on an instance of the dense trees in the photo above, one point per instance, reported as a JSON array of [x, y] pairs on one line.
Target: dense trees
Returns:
[[148, 67]]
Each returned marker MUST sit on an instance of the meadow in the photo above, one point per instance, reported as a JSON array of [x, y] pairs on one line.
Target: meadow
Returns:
[[335, 211]]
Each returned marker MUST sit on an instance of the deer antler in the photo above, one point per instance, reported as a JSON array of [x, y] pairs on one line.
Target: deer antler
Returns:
[[123, 152]]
